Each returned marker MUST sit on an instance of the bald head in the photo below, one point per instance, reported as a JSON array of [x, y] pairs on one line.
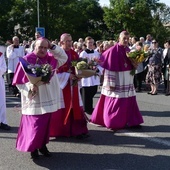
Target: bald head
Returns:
[[64, 36], [124, 38], [41, 47], [15, 40], [66, 41], [123, 33]]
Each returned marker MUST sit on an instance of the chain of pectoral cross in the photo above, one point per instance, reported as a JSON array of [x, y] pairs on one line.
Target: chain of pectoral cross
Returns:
[[125, 64]]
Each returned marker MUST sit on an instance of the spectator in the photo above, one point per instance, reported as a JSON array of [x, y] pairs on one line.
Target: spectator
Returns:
[[79, 48], [154, 74], [148, 39], [37, 36], [3, 121], [138, 77], [134, 40], [14, 51], [142, 40], [98, 43], [166, 69], [28, 47], [80, 40], [75, 46]]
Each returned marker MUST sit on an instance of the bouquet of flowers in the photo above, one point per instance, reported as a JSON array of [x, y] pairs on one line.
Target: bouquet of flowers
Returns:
[[137, 56], [84, 69], [37, 74]]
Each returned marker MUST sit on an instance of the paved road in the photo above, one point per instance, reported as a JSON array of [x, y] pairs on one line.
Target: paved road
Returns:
[[129, 149]]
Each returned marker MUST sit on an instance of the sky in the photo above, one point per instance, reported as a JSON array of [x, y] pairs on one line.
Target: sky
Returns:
[[106, 2]]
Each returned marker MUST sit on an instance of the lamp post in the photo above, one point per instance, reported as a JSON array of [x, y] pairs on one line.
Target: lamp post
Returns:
[[38, 14]]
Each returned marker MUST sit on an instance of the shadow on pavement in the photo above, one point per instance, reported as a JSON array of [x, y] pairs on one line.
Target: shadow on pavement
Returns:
[[156, 114], [12, 130], [117, 139], [105, 161]]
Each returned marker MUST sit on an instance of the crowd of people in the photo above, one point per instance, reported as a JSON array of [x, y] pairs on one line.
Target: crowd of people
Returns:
[[62, 107]]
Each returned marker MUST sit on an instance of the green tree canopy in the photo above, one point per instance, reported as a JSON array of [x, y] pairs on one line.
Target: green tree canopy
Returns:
[[78, 17], [138, 17], [83, 18]]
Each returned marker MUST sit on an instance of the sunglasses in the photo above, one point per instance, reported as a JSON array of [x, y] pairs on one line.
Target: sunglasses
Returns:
[[154, 42]]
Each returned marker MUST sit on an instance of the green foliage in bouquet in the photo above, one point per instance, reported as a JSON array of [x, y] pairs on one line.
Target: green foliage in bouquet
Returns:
[[80, 64], [136, 57]]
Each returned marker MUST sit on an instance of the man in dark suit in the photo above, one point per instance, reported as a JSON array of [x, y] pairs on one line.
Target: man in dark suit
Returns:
[[166, 69]]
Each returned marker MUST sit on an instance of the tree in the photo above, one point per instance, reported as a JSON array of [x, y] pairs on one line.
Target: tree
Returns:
[[161, 17], [5, 22], [81, 18], [135, 16], [78, 17]]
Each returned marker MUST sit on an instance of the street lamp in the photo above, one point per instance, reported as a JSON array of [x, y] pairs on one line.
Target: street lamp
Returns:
[[38, 14]]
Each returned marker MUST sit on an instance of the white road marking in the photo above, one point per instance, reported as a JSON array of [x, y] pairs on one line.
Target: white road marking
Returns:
[[144, 136]]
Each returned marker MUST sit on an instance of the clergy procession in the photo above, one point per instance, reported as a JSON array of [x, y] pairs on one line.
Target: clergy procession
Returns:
[[57, 80]]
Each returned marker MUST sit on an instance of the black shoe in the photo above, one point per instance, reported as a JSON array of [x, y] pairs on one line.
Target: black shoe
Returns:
[[45, 151], [79, 137], [154, 93], [149, 92], [4, 126], [85, 135], [82, 136], [34, 155]]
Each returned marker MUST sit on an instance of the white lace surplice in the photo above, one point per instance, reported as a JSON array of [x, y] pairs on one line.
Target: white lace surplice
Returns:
[[47, 99], [122, 81]]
